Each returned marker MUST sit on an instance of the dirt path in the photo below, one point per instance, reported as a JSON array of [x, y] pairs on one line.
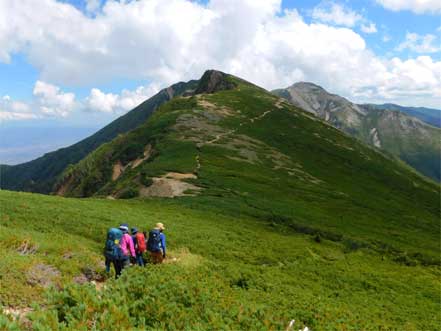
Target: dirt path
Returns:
[[219, 136], [198, 162], [260, 116], [278, 105]]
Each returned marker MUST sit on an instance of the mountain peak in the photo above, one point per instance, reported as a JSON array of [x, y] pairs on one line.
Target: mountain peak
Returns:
[[213, 81], [307, 85]]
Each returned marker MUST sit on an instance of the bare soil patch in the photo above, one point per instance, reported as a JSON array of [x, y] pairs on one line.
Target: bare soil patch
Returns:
[[169, 186], [42, 274]]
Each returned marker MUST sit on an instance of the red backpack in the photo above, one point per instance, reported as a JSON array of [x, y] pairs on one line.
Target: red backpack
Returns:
[[140, 239]]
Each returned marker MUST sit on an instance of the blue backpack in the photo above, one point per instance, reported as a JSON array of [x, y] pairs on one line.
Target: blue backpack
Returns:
[[113, 248], [154, 242]]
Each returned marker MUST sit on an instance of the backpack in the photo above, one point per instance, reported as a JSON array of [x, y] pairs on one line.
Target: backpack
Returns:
[[140, 240], [113, 249], [154, 241]]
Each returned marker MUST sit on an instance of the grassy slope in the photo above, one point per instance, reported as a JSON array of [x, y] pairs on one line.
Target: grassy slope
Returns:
[[243, 262], [297, 171], [231, 273]]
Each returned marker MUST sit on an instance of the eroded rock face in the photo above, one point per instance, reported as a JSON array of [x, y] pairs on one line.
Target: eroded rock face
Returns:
[[65, 186], [119, 168], [213, 81]]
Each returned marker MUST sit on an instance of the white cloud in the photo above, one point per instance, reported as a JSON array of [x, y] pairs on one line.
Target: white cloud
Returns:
[[99, 101], [48, 101], [13, 116], [369, 28], [428, 43], [407, 81], [417, 6], [51, 101], [168, 41], [110, 103], [335, 13], [14, 110]]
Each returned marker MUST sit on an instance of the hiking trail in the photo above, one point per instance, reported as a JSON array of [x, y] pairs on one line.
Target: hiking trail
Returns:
[[277, 105]]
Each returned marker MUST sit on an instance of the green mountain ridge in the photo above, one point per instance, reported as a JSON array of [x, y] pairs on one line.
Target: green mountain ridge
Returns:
[[244, 143], [390, 129], [272, 214], [40, 175]]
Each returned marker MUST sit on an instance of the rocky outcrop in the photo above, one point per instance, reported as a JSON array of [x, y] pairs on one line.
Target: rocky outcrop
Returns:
[[213, 81], [318, 101], [374, 136]]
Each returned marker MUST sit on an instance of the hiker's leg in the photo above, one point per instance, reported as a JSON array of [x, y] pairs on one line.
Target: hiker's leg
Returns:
[[152, 257], [126, 262], [107, 263], [156, 257], [160, 257], [118, 267], [139, 259]]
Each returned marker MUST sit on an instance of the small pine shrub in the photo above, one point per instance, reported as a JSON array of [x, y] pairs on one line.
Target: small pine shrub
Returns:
[[128, 193]]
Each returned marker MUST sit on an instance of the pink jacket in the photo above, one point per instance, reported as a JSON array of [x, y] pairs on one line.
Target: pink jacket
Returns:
[[127, 245]]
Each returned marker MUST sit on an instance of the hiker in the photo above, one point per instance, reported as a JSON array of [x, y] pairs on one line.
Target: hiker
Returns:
[[140, 246], [156, 243], [113, 252], [126, 245]]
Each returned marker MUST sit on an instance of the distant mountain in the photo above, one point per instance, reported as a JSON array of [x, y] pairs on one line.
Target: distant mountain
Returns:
[[40, 174], [395, 132], [428, 115]]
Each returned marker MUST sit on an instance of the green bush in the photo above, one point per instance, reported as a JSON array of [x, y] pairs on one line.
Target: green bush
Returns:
[[130, 152], [128, 193], [145, 179]]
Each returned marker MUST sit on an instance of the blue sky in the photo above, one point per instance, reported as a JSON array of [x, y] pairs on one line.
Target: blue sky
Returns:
[[86, 62]]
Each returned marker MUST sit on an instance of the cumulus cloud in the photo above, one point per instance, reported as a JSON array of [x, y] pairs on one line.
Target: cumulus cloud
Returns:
[[14, 110], [338, 14], [428, 43], [335, 13], [169, 41], [112, 103], [410, 81], [417, 6], [51, 101], [48, 101]]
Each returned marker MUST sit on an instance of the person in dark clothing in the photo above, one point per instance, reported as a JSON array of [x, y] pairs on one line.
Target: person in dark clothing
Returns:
[[117, 265], [156, 244], [112, 251]]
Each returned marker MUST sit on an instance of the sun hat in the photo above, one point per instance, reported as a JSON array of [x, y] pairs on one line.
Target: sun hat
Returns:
[[124, 227], [159, 226]]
